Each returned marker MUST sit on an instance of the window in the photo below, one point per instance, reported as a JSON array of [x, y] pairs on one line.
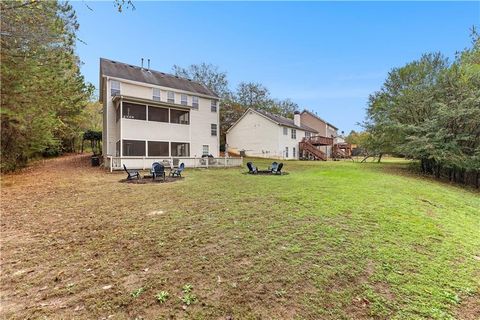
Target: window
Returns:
[[213, 106], [307, 134], [115, 88], [293, 152], [286, 152], [157, 114], [294, 134], [184, 99], [171, 96], [133, 148], [156, 94], [285, 131], [158, 149], [195, 102], [213, 129], [179, 116], [134, 111], [205, 150], [180, 149]]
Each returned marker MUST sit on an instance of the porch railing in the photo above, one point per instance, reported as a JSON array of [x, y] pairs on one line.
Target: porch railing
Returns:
[[116, 163]]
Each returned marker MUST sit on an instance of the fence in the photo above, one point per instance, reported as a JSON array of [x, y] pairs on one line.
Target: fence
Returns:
[[117, 163]]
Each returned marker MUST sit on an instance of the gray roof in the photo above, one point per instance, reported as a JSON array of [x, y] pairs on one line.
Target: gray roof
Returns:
[[284, 121], [314, 115], [126, 71]]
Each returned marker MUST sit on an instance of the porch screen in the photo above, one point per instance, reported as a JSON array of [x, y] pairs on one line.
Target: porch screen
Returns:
[[133, 148], [179, 116], [134, 111], [157, 114], [180, 149], [158, 149]]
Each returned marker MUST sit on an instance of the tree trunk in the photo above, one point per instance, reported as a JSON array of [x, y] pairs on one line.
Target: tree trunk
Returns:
[[380, 157]]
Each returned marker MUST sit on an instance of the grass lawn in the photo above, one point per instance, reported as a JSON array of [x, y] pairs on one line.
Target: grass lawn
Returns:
[[330, 240]]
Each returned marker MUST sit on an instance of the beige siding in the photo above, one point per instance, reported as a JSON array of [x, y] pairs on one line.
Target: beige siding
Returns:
[[314, 123], [197, 133]]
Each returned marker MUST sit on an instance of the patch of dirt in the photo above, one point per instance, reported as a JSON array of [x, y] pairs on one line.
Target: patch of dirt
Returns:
[[469, 308]]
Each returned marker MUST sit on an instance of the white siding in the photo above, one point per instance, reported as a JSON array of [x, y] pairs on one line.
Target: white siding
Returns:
[[287, 141], [197, 133], [256, 135], [260, 137], [201, 121]]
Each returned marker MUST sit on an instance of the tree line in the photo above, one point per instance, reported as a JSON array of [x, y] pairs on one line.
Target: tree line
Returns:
[[234, 102], [45, 102], [429, 110]]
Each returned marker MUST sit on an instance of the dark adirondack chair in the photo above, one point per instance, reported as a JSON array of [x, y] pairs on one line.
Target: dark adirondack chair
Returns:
[[251, 168], [131, 173], [279, 169], [158, 170], [274, 166], [178, 172]]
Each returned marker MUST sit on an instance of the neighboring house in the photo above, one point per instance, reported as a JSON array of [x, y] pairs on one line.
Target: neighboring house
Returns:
[[324, 129], [262, 134], [152, 114]]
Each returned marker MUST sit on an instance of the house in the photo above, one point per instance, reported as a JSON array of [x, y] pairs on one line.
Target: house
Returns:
[[150, 115], [324, 129], [261, 134]]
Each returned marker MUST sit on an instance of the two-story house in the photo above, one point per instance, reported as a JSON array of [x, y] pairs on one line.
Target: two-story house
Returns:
[[154, 115], [261, 134], [324, 129]]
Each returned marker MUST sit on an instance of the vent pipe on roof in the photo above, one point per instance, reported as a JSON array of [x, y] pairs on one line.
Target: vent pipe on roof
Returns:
[[148, 64], [142, 63]]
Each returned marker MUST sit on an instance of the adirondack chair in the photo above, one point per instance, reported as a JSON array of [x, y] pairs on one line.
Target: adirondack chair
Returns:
[[274, 166], [278, 170], [131, 173], [178, 172], [251, 168], [158, 170]]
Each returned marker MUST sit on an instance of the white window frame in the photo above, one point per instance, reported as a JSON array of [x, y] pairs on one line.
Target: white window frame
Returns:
[[182, 100], [113, 87], [156, 94], [294, 133], [171, 96], [286, 152], [203, 150], [285, 131], [195, 103], [212, 129], [213, 105], [294, 152]]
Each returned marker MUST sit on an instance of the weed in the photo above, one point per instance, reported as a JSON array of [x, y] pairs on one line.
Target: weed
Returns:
[[137, 293], [162, 296], [188, 297]]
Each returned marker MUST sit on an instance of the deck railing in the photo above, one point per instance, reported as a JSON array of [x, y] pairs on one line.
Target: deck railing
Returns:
[[144, 163], [319, 140]]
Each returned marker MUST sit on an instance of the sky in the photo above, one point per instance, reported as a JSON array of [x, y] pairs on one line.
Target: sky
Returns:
[[325, 56]]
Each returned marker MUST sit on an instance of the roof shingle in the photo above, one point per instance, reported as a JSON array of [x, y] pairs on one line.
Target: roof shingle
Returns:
[[125, 71], [284, 121]]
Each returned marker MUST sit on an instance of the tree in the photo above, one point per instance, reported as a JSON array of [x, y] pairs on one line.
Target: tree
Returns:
[[233, 104], [43, 93], [207, 74], [430, 110]]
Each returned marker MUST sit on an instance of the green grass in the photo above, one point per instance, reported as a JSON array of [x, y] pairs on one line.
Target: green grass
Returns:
[[330, 240]]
